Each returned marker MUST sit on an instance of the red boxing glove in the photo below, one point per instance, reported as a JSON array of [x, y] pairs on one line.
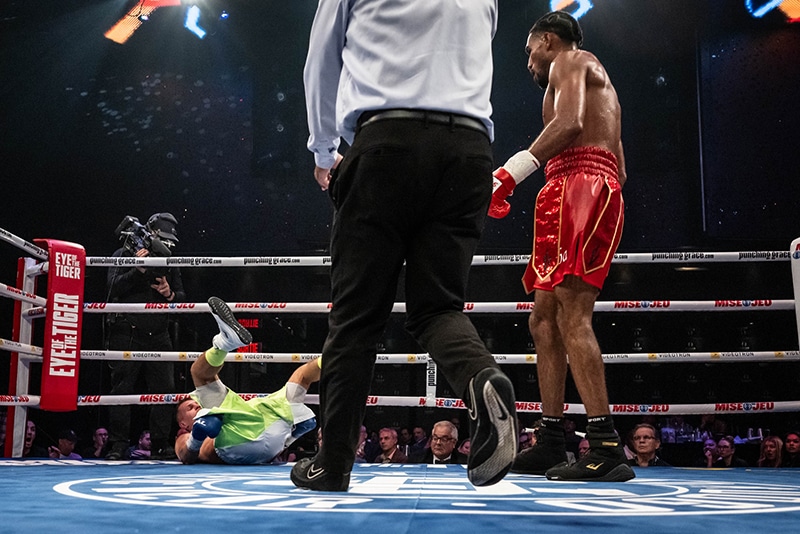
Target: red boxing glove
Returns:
[[503, 187], [517, 168]]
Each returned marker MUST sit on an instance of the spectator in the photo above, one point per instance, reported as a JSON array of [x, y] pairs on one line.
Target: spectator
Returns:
[[444, 437], [645, 445], [140, 451], [404, 439], [29, 448], [65, 450], [367, 449], [726, 451], [525, 440], [419, 442], [99, 446], [711, 427], [709, 453], [390, 454], [465, 447], [583, 448], [791, 450], [770, 452]]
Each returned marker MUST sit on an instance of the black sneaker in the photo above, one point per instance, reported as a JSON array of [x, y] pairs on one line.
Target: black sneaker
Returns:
[[601, 464], [232, 335], [549, 451], [493, 427], [307, 475]]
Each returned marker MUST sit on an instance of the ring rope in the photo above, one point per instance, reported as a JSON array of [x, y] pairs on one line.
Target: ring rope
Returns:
[[421, 401], [20, 243], [429, 400], [424, 358], [18, 294], [469, 307], [420, 358], [487, 259]]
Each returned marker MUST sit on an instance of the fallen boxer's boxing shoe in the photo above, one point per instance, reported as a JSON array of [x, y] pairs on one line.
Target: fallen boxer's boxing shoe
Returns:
[[231, 335]]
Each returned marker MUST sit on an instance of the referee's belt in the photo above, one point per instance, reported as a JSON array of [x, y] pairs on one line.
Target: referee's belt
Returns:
[[453, 120]]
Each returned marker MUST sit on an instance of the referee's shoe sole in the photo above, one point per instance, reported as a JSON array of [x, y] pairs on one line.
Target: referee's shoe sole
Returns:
[[493, 424], [231, 335]]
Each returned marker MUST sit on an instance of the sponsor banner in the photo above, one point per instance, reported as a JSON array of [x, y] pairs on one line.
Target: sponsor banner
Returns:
[[19, 400], [18, 294], [62, 331], [440, 402], [469, 307]]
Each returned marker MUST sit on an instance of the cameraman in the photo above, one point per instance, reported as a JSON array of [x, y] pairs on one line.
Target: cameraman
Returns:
[[143, 331]]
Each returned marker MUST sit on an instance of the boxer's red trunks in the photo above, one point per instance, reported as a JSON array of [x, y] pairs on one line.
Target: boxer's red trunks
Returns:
[[578, 219]]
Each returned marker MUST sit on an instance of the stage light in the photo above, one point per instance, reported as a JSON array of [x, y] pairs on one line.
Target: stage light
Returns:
[[192, 17], [223, 15], [790, 8], [561, 5]]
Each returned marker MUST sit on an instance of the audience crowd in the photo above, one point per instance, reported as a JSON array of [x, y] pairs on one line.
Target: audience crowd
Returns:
[[650, 442]]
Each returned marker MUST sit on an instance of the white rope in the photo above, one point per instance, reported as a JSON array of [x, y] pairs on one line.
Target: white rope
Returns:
[[16, 346], [32, 249], [489, 259], [652, 357], [442, 402], [18, 294], [469, 307]]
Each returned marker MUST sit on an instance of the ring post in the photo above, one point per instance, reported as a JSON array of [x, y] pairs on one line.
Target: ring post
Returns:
[[62, 333]]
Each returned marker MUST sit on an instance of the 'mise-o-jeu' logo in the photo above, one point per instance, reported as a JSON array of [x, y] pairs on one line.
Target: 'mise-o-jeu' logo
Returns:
[[428, 489]]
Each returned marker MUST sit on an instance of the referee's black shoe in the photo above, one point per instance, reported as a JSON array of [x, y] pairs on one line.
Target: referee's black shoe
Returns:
[[493, 427], [306, 474]]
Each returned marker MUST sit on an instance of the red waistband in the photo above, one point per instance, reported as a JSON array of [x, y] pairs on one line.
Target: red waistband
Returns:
[[578, 159]]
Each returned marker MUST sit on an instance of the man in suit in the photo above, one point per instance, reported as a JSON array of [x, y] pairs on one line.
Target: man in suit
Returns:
[[444, 438]]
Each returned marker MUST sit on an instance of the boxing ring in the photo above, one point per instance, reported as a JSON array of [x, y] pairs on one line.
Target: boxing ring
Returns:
[[413, 496]]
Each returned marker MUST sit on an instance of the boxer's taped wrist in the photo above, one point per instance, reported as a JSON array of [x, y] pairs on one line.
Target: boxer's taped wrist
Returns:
[[521, 165], [194, 444]]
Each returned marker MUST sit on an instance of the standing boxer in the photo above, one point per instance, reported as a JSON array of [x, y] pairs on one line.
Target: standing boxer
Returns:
[[577, 227]]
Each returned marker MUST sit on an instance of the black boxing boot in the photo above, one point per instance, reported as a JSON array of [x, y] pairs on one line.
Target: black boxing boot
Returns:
[[550, 449], [606, 460]]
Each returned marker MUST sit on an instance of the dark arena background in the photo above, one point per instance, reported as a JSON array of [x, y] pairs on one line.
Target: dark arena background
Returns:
[[199, 111]]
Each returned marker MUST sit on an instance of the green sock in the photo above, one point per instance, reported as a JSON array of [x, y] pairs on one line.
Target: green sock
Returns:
[[215, 357]]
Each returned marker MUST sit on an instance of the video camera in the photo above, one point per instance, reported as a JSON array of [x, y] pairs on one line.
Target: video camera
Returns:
[[136, 236]]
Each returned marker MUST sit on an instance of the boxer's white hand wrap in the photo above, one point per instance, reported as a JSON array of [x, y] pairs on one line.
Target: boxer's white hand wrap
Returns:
[[517, 168], [521, 165]]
